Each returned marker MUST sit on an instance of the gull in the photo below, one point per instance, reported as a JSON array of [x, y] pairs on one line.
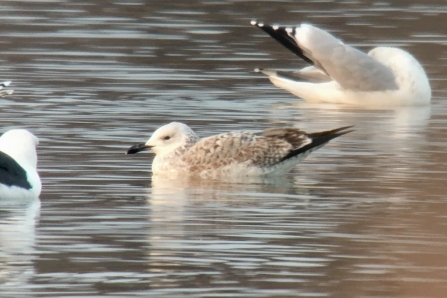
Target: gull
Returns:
[[386, 76], [5, 92], [274, 151], [19, 179]]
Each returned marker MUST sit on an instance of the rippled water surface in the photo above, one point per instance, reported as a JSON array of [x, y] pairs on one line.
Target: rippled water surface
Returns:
[[364, 216]]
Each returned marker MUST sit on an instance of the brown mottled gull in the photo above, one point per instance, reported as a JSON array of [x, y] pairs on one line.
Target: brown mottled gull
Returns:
[[274, 151], [386, 76]]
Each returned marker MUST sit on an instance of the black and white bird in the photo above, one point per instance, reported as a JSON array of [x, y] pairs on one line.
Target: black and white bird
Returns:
[[386, 76], [274, 151], [19, 179], [4, 92]]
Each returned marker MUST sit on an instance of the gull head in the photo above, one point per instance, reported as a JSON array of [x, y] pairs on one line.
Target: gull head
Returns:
[[167, 139], [20, 144]]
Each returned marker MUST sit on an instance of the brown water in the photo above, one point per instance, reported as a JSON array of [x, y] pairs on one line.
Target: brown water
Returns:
[[364, 216]]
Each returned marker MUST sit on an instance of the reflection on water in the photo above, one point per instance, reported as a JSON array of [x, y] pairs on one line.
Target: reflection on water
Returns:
[[17, 254], [362, 217]]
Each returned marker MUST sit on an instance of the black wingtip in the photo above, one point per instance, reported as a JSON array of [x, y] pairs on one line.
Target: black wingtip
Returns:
[[326, 136], [5, 84], [4, 92], [283, 35], [319, 139]]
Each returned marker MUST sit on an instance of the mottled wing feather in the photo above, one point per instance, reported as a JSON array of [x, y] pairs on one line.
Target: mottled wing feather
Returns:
[[267, 151], [262, 149], [294, 136], [218, 148]]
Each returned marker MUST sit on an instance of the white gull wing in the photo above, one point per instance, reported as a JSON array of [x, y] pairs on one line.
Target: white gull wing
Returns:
[[7, 91], [386, 76], [308, 74], [343, 63]]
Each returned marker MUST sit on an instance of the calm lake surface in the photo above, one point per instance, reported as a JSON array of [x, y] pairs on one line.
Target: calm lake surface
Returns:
[[365, 216]]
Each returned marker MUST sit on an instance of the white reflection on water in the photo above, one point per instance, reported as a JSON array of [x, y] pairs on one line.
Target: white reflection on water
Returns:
[[383, 154], [221, 229], [17, 252]]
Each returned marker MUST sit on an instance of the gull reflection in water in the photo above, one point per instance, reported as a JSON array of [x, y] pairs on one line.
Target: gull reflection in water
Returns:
[[383, 153], [188, 217], [17, 242]]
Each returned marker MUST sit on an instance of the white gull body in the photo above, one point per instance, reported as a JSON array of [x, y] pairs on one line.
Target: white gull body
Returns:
[[4, 92], [274, 151], [386, 76], [19, 180]]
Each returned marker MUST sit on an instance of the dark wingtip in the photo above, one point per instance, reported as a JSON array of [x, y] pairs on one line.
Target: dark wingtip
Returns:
[[5, 83], [319, 139], [341, 131], [4, 92], [326, 136], [283, 35]]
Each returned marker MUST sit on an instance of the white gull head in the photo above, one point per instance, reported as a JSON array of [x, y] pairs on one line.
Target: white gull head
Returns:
[[170, 138], [21, 145], [168, 143]]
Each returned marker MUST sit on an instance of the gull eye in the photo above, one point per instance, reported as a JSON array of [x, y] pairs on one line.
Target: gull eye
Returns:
[[166, 138]]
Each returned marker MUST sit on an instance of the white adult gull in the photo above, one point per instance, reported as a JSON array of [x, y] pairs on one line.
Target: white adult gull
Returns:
[[386, 76], [4, 92], [19, 180], [274, 151]]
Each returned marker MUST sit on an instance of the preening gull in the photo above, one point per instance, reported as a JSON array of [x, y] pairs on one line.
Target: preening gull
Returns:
[[19, 179], [5, 92], [386, 76], [274, 151]]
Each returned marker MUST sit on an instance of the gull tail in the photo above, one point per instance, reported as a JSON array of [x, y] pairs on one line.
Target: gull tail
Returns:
[[319, 139]]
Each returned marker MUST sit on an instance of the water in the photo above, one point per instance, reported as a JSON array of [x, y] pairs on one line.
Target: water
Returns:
[[361, 217]]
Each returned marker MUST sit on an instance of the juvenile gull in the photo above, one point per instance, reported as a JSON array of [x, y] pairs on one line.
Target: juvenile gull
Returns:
[[274, 151], [19, 179], [386, 76]]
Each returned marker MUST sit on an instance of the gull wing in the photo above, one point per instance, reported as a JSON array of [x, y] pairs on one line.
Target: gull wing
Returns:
[[237, 148], [309, 74], [11, 173], [263, 149], [349, 67]]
